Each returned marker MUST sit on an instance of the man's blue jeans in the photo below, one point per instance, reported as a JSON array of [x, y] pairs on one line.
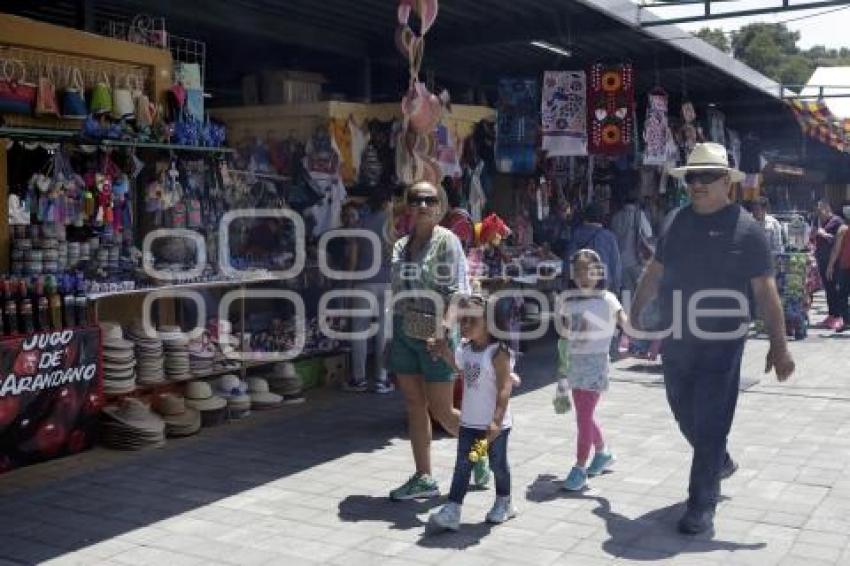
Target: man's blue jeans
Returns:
[[702, 380]]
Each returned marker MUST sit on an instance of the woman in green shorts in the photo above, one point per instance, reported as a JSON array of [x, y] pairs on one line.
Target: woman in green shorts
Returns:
[[428, 269]]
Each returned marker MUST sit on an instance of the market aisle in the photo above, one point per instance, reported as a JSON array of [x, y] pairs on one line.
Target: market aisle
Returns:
[[309, 486]]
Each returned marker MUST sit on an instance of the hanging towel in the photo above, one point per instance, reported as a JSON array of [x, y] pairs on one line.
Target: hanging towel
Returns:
[[611, 104], [564, 113], [655, 129]]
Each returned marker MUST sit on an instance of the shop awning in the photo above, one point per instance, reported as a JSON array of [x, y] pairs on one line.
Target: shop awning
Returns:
[[817, 121]]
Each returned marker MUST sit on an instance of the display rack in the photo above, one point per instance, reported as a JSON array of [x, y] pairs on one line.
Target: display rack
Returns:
[[52, 135]]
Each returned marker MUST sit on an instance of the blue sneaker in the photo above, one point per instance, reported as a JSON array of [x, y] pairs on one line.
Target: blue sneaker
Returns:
[[576, 480], [601, 462]]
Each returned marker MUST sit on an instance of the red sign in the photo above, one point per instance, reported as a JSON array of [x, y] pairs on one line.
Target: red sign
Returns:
[[51, 391]]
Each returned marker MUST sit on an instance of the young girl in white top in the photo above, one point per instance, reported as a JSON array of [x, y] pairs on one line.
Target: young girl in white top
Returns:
[[590, 316], [486, 366]]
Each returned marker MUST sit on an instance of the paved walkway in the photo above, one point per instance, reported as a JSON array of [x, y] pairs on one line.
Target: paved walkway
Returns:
[[308, 485]]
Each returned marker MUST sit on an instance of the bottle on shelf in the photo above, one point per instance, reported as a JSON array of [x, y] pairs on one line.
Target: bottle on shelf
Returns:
[[54, 303], [10, 308], [41, 305], [68, 304], [81, 302], [26, 322]]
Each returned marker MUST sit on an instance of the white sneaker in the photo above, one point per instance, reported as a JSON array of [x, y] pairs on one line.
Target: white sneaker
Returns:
[[502, 510], [384, 387], [447, 518]]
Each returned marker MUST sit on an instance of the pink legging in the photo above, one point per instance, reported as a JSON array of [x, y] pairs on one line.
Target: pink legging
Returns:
[[589, 433]]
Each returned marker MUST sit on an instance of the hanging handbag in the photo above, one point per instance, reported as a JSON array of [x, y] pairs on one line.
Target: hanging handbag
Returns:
[[46, 103], [145, 111], [101, 97], [73, 100], [122, 100], [16, 95]]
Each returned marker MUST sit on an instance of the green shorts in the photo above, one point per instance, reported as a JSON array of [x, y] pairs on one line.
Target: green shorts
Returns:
[[411, 357]]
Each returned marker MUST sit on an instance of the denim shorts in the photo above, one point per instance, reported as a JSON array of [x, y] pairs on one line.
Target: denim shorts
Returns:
[[410, 356]]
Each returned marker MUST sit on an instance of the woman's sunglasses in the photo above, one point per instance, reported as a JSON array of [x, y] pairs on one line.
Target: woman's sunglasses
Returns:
[[414, 200], [704, 177]]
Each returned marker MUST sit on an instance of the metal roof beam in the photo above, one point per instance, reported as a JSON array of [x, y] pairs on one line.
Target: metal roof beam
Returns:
[[707, 15]]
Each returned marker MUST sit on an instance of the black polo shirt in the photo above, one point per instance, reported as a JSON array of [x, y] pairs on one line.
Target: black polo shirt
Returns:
[[713, 255]]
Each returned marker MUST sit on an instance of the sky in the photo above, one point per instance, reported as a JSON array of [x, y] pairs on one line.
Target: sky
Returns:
[[829, 29]]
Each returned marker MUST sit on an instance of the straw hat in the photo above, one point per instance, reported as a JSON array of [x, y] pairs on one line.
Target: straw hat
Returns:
[[117, 343], [199, 395], [260, 394], [708, 156], [179, 419], [235, 391], [111, 330], [285, 370], [134, 414]]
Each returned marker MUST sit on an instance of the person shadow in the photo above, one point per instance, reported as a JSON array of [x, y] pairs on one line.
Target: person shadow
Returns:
[[406, 515], [399, 515], [649, 537]]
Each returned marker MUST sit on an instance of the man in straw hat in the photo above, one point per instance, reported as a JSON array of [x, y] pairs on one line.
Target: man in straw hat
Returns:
[[708, 258]]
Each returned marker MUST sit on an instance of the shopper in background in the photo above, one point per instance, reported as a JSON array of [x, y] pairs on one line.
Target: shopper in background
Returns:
[[457, 219], [634, 236], [429, 259], [838, 273], [710, 246], [828, 225], [374, 219], [554, 232], [593, 235], [771, 226]]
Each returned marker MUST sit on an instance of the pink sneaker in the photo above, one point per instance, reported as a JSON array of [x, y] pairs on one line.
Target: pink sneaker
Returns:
[[827, 322], [837, 323]]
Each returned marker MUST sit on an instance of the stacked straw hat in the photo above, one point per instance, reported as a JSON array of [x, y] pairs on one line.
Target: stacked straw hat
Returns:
[[180, 420], [199, 395], [150, 356], [261, 397], [131, 425], [119, 360], [284, 380]]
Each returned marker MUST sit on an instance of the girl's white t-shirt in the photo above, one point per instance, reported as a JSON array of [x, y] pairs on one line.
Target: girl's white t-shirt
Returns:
[[480, 387], [592, 322]]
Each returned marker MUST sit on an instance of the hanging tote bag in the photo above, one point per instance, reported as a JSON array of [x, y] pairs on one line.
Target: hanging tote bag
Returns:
[[101, 97], [122, 99], [46, 103], [73, 99], [17, 96]]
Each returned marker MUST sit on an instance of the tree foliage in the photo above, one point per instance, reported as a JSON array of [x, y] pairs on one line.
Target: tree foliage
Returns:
[[772, 50], [716, 37]]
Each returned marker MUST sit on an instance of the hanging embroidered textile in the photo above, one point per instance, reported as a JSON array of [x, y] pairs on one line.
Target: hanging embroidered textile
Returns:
[[611, 103], [564, 112], [517, 126], [656, 128]]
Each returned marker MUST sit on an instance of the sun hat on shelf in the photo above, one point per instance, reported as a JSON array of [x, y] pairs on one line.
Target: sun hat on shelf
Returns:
[[261, 396], [131, 425], [199, 395], [180, 420]]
